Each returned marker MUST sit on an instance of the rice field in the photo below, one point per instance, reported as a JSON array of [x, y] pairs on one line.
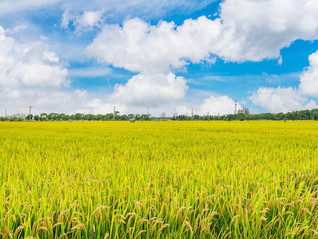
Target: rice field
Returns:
[[159, 179]]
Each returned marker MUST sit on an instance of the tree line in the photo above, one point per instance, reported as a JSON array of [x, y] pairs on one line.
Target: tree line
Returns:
[[241, 116]]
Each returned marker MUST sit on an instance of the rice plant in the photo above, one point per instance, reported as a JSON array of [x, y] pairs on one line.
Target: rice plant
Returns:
[[159, 180]]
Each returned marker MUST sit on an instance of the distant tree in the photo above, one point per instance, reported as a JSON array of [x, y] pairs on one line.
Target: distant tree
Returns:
[[62, 116], [196, 117], [109, 116], [99, 117], [79, 116], [244, 111], [314, 113], [43, 117], [36, 117], [124, 117], [29, 117], [280, 116], [53, 116], [145, 117]]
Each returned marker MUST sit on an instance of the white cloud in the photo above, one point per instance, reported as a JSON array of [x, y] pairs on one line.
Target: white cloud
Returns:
[[289, 99], [16, 29], [29, 65], [183, 110], [247, 30], [88, 20], [258, 29], [10, 94], [281, 99], [140, 47], [31, 74], [213, 105], [55, 100], [90, 72], [67, 17], [218, 105], [120, 9], [43, 100], [309, 78], [9, 6], [152, 51], [97, 106], [151, 90]]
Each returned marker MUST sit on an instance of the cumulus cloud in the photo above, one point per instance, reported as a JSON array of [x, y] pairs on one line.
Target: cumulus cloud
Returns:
[[31, 74], [29, 65], [214, 105], [97, 106], [282, 99], [218, 105], [151, 90], [140, 47], [309, 78], [88, 20], [55, 100], [254, 30], [247, 30], [183, 110], [288, 99], [151, 51]]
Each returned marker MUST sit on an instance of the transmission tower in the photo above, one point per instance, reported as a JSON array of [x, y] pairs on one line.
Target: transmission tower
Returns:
[[30, 111]]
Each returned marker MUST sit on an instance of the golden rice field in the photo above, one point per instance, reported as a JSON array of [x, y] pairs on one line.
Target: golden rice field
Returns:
[[159, 180]]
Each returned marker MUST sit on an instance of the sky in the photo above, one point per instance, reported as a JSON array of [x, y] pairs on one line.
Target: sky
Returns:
[[161, 56]]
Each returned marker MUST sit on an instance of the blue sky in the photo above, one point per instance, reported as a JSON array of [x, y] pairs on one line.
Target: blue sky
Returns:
[[168, 56]]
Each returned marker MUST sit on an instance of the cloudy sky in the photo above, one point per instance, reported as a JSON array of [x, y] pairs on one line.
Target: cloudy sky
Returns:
[[166, 55]]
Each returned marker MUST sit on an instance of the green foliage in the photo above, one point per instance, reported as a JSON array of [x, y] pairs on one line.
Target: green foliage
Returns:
[[241, 116]]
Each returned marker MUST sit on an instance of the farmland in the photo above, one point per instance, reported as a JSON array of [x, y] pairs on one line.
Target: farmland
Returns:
[[159, 179]]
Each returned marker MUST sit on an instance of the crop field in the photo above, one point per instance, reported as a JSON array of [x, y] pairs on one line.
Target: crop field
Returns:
[[159, 179]]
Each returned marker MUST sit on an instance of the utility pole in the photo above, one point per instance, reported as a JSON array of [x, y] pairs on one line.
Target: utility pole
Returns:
[[30, 111], [192, 114], [114, 113], [235, 111]]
